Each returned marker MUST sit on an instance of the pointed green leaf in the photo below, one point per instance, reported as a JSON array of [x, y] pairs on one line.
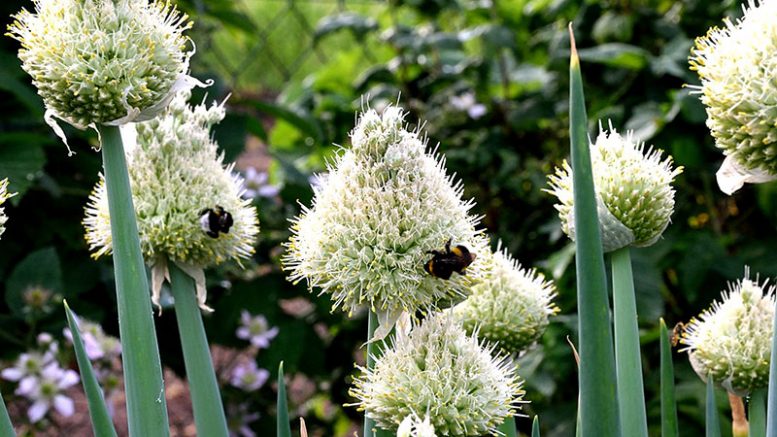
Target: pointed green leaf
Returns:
[[712, 419], [282, 420], [598, 396], [669, 427], [6, 427], [208, 409], [535, 427], [145, 388], [631, 393], [757, 413], [102, 425]]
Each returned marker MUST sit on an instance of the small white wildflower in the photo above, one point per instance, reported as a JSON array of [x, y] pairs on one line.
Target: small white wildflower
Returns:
[[736, 65], [4, 195], [466, 102], [28, 364], [383, 205], [178, 175], [103, 61], [45, 390], [732, 341], [510, 306], [634, 195], [255, 184], [248, 377], [256, 330], [440, 370]]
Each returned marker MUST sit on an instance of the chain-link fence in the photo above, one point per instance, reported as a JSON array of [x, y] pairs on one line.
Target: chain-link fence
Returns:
[[261, 45]]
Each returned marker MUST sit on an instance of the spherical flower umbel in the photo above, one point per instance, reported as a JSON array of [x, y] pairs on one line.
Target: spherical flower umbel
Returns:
[[178, 178], [736, 65], [384, 204], [732, 341], [510, 306], [4, 195], [439, 371], [103, 61], [634, 195]]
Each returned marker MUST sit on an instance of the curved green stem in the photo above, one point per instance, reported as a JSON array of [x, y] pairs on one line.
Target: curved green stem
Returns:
[[631, 397], [145, 389], [208, 409]]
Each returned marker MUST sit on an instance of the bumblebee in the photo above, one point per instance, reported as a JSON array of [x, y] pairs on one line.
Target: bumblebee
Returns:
[[443, 264], [215, 220], [677, 333]]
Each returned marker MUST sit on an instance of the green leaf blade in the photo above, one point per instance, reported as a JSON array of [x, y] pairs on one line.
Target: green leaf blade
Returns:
[[712, 420], [102, 425], [282, 420], [771, 404], [757, 413], [209, 417], [598, 396], [146, 406], [669, 425], [631, 397], [6, 427], [535, 427]]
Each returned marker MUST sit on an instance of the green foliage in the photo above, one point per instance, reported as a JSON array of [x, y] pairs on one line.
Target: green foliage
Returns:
[[102, 425], [669, 426], [712, 421], [206, 400], [284, 427], [628, 360], [512, 56], [598, 401]]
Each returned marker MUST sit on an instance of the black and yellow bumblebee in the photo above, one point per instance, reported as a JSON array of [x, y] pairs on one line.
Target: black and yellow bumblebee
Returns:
[[215, 220], [443, 264]]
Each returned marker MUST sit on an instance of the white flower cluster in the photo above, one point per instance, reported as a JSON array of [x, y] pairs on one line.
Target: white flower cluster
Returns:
[[384, 205], [732, 341], [177, 174], [634, 195], [440, 370], [510, 306], [736, 65], [103, 61], [42, 381]]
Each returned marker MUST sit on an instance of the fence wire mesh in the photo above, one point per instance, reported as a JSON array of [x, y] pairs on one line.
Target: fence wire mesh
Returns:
[[261, 45]]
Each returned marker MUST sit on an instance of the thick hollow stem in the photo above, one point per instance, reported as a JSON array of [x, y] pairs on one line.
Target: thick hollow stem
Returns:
[[757, 413], [145, 389], [206, 400], [631, 398]]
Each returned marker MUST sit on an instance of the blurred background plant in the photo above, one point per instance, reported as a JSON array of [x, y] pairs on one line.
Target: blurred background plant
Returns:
[[490, 79]]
